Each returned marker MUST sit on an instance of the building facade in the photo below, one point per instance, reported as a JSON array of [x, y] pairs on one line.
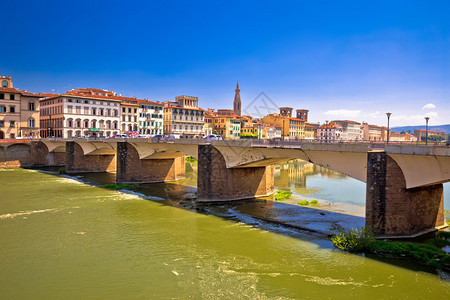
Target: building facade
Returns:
[[151, 121], [19, 111], [374, 133], [353, 131], [184, 118], [76, 115], [129, 117], [330, 133]]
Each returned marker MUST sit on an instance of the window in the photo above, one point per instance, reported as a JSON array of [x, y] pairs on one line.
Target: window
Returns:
[[12, 124], [12, 109], [124, 109], [129, 110], [135, 110], [2, 109], [11, 96], [86, 110], [31, 106], [2, 123], [4, 83], [94, 111], [31, 122], [2, 96]]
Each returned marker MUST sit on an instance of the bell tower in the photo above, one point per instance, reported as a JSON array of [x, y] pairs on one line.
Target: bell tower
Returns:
[[237, 101], [5, 81]]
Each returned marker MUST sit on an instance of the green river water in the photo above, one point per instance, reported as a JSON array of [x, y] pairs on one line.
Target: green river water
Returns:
[[64, 239]]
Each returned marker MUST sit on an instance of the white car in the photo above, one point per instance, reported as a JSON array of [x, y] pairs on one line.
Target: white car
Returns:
[[214, 137], [120, 136]]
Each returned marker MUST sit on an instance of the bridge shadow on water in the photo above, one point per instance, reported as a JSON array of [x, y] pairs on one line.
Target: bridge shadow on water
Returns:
[[314, 225]]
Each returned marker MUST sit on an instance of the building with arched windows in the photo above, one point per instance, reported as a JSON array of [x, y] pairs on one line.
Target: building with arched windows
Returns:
[[183, 117], [19, 111], [79, 113]]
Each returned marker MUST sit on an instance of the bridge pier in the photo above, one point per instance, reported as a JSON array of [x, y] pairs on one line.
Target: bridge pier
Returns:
[[130, 168], [216, 182], [77, 162], [40, 156], [392, 209]]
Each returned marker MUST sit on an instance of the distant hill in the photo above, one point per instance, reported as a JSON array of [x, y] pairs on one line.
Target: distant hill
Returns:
[[445, 128]]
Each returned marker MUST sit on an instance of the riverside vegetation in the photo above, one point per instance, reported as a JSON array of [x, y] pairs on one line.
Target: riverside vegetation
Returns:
[[429, 253], [282, 195]]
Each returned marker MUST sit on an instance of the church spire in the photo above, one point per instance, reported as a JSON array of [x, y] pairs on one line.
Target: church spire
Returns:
[[237, 101]]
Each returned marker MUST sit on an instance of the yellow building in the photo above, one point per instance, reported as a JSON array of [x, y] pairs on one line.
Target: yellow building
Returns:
[[228, 126], [129, 114], [309, 132], [291, 128], [19, 111]]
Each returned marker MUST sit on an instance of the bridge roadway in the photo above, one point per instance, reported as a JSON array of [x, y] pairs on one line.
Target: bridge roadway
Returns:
[[404, 195]]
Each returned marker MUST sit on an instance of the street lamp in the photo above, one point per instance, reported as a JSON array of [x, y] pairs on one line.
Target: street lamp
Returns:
[[388, 114], [426, 132]]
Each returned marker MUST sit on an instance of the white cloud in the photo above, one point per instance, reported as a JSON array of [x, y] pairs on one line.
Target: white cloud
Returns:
[[342, 113], [376, 114], [414, 119], [429, 106]]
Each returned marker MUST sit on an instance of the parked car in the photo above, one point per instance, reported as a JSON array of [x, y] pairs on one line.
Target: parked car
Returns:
[[142, 136], [120, 136], [214, 137]]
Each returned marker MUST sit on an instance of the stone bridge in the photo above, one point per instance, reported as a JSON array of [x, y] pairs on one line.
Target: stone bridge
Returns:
[[404, 195]]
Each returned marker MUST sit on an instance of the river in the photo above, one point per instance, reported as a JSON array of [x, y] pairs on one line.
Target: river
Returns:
[[68, 238]]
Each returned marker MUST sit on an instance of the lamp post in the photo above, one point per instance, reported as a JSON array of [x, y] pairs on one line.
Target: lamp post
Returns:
[[426, 130], [283, 127], [388, 114]]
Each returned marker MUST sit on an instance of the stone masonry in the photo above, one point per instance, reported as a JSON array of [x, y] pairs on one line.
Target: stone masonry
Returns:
[[132, 169], [77, 162], [218, 183], [393, 210], [41, 157]]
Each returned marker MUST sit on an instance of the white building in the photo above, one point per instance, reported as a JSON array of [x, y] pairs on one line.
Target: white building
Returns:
[[183, 117], [330, 133], [353, 131], [151, 121], [74, 114]]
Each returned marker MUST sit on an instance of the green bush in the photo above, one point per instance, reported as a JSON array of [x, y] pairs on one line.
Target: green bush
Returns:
[[119, 186], [352, 240], [314, 202], [190, 159], [303, 202], [364, 241], [62, 171], [283, 195]]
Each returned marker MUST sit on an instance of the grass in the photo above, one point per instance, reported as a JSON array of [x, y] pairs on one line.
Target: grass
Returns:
[[282, 195], [119, 186], [306, 202], [429, 253], [190, 159]]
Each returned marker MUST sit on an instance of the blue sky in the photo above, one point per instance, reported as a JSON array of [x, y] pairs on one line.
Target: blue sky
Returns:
[[339, 59]]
